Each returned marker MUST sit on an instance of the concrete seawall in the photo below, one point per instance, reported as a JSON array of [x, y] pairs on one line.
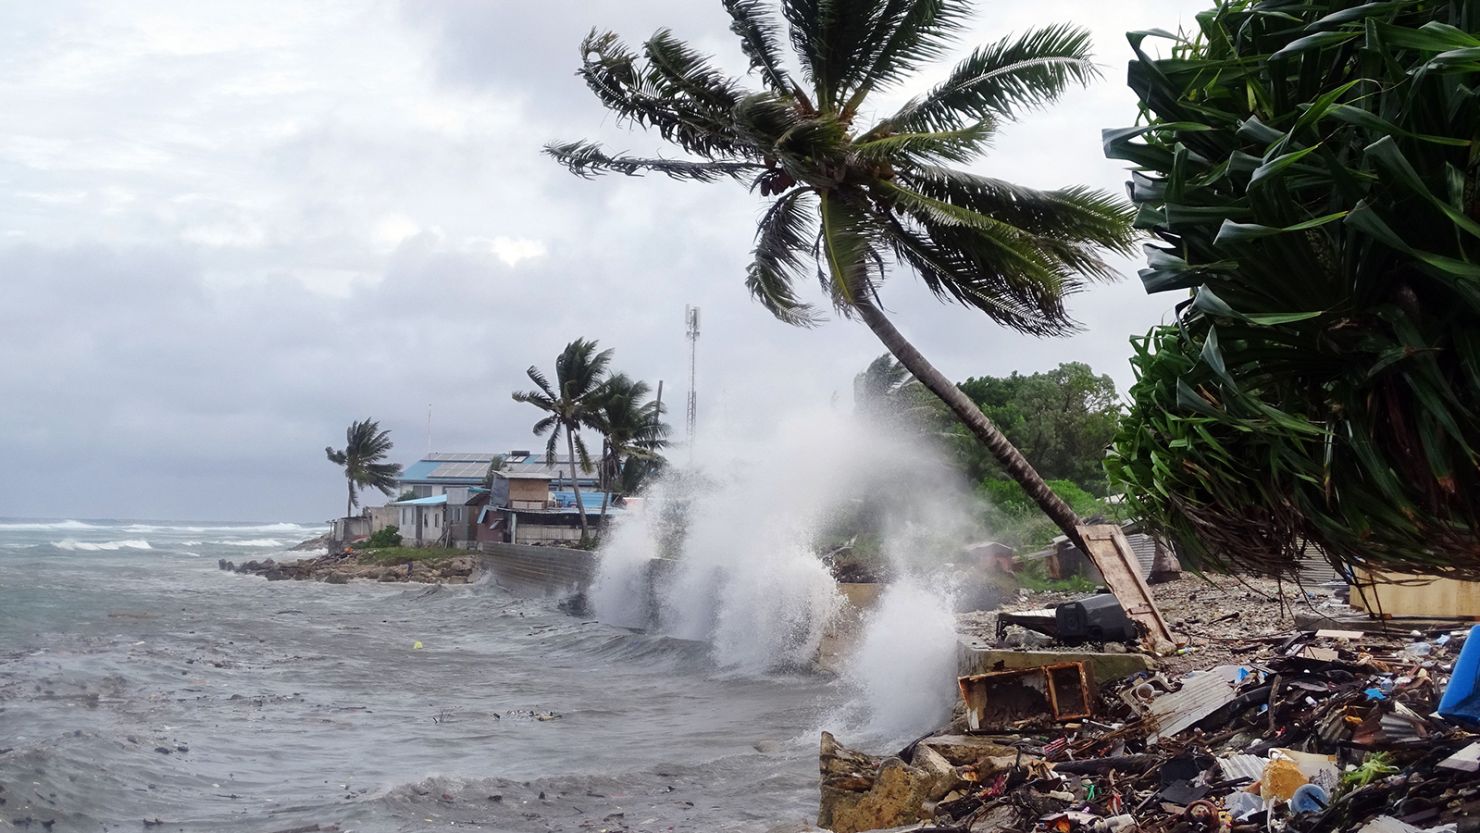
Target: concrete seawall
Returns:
[[539, 572]]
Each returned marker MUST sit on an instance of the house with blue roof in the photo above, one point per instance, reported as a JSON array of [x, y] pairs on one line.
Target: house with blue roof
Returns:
[[435, 473], [455, 502]]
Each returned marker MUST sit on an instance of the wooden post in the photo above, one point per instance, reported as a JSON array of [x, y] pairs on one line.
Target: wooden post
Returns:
[[1116, 561]]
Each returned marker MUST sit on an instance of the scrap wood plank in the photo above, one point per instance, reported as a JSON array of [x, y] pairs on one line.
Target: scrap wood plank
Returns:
[[1111, 553]]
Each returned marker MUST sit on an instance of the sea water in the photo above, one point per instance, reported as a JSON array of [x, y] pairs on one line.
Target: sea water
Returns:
[[140, 682]]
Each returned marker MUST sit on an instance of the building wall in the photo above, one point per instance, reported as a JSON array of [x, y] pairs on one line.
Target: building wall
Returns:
[[529, 494], [422, 526], [528, 533], [382, 517]]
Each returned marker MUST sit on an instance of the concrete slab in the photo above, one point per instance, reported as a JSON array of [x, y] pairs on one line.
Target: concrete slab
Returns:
[[976, 657]]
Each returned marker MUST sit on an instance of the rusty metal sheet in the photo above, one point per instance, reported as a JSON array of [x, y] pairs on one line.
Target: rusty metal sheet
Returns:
[[1009, 700]]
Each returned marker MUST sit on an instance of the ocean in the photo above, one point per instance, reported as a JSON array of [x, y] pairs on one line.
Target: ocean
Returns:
[[142, 688]]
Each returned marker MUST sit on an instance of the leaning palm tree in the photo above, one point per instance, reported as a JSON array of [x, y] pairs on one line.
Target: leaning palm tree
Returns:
[[858, 198], [571, 404], [363, 459], [633, 435]]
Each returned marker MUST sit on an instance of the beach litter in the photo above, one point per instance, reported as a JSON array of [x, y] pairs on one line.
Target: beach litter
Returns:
[[1309, 732]]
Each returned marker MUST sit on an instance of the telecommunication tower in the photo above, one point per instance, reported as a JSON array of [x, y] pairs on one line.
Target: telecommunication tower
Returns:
[[691, 320]]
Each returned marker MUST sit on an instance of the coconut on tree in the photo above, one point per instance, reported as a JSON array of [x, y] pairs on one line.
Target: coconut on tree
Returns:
[[859, 198], [570, 404], [363, 459]]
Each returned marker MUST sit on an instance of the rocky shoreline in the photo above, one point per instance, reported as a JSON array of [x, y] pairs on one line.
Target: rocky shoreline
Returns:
[[340, 568]]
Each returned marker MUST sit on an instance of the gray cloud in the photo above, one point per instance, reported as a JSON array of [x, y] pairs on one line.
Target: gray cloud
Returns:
[[228, 231]]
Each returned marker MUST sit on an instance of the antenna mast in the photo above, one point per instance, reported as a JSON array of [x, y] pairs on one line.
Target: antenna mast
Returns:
[[691, 319]]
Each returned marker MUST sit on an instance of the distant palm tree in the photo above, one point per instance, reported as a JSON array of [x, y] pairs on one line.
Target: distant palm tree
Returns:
[[572, 404], [633, 435], [852, 196], [363, 455]]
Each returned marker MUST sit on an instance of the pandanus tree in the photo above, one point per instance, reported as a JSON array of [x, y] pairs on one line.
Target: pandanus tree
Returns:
[[363, 460], [570, 405], [1310, 173], [633, 435], [858, 198]]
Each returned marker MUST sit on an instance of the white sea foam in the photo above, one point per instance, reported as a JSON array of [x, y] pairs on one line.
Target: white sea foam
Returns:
[[74, 545], [225, 529], [253, 542], [41, 526]]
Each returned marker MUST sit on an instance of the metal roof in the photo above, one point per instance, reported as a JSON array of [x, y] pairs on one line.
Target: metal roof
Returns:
[[434, 500], [461, 457], [526, 475]]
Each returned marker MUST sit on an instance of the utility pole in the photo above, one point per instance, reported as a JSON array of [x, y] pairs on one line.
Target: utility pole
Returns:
[[691, 320]]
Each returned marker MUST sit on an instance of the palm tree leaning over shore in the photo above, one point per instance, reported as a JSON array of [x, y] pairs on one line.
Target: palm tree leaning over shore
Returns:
[[571, 405], [633, 434], [855, 198], [363, 459]]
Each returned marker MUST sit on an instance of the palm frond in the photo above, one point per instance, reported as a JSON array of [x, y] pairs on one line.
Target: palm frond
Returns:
[[848, 260], [1002, 79], [913, 149], [541, 381], [758, 32], [780, 244], [1075, 213], [647, 94], [545, 424], [910, 33], [588, 159], [680, 72], [961, 266]]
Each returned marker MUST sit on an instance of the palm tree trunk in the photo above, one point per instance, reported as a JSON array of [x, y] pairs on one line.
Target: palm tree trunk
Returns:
[[349, 505], [1017, 466], [570, 443], [606, 495]]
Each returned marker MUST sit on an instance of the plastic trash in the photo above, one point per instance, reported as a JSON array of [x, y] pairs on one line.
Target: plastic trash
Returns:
[[1375, 694], [1461, 700], [1311, 798], [1281, 779], [416, 646], [1419, 649], [1242, 804]]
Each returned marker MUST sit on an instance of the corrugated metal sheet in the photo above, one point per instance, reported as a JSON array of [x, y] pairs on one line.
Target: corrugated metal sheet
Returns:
[[1202, 693], [1145, 548]]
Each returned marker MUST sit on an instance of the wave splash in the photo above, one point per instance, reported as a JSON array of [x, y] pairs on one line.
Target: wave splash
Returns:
[[74, 545]]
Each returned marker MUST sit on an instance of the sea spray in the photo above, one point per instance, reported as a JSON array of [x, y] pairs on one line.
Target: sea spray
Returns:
[[904, 668], [743, 528]]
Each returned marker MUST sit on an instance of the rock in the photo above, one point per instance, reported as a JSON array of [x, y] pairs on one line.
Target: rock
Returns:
[[336, 578], [859, 793], [896, 798], [943, 776], [389, 575], [968, 750], [766, 747]]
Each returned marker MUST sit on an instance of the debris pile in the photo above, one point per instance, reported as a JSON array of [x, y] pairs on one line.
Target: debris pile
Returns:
[[1328, 730]]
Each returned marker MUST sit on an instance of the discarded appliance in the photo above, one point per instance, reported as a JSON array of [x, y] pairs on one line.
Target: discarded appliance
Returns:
[[1042, 621], [1009, 700], [1097, 618]]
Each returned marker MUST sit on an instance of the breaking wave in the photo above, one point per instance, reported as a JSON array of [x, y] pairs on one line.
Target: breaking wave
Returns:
[[42, 526], [73, 545], [254, 542], [224, 528]]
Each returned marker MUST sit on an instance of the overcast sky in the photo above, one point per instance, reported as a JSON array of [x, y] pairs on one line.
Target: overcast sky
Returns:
[[229, 229]]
